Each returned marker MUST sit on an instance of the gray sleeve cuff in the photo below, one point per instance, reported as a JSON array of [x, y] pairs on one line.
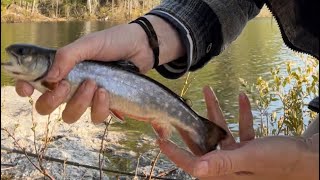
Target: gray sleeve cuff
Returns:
[[177, 68], [195, 21], [205, 27]]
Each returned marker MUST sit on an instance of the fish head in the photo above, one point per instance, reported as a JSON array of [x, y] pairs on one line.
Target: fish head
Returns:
[[28, 62]]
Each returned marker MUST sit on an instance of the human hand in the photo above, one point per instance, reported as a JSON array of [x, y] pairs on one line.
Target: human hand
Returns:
[[277, 157], [128, 42]]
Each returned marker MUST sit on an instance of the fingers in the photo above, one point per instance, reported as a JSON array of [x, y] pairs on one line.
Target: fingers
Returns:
[[219, 163], [100, 106], [79, 102], [50, 100], [216, 163], [68, 56], [246, 130], [179, 156], [23, 88], [215, 114]]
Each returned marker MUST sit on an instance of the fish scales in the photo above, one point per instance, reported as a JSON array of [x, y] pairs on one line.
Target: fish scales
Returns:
[[130, 93], [144, 97]]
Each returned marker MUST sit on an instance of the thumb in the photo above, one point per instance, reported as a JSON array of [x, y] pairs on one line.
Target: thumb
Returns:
[[219, 163], [67, 57]]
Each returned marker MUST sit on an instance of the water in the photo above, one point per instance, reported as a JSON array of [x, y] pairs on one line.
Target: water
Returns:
[[259, 48]]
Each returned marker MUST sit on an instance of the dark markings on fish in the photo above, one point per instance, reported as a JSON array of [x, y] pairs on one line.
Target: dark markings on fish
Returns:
[[121, 64], [17, 73], [132, 94]]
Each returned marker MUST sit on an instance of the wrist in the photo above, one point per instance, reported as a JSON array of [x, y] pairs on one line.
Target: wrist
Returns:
[[142, 55], [170, 45]]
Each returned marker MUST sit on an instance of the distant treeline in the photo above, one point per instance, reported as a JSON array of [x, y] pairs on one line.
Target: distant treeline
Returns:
[[101, 9]]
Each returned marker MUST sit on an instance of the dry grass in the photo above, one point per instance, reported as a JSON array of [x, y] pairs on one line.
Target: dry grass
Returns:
[[16, 14]]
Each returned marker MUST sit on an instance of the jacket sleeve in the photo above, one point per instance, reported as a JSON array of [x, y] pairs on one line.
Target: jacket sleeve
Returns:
[[206, 28]]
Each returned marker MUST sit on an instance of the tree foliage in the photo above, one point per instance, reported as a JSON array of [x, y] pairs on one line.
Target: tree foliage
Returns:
[[85, 8]]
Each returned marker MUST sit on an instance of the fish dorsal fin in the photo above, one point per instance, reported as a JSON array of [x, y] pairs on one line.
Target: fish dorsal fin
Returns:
[[187, 101]]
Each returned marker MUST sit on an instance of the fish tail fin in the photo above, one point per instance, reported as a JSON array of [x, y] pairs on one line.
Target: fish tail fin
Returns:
[[205, 140], [214, 134]]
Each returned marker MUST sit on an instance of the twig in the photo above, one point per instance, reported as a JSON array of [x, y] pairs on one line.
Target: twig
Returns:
[[3, 169], [153, 164], [85, 172], [57, 120], [186, 85], [136, 172], [167, 172], [23, 151], [64, 169], [33, 128], [101, 148], [40, 152], [46, 141], [10, 165], [48, 158]]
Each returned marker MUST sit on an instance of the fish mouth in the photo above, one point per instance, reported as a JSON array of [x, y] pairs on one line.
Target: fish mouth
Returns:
[[6, 63], [11, 66], [13, 56]]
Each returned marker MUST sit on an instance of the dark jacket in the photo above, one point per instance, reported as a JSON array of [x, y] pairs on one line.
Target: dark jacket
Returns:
[[207, 27]]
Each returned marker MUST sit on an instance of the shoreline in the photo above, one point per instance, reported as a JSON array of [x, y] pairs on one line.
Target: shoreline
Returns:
[[16, 14]]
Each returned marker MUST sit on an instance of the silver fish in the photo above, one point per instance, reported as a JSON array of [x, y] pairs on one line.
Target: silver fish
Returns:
[[131, 94]]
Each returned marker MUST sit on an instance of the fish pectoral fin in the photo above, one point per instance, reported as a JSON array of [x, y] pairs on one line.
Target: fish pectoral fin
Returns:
[[118, 114], [162, 131], [189, 141], [122, 116]]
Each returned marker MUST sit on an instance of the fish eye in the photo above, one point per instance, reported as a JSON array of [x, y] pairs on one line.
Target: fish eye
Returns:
[[22, 51]]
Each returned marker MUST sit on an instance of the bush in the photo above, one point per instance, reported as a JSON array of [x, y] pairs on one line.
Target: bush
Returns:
[[293, 89]]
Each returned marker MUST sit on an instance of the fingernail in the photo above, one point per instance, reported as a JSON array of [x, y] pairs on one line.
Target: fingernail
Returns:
[[88, 84], [53, 74], [201, 169], [102, 94], [242, 95]]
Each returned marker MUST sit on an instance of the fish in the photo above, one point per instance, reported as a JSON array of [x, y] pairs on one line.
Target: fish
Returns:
[[131, 94]]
